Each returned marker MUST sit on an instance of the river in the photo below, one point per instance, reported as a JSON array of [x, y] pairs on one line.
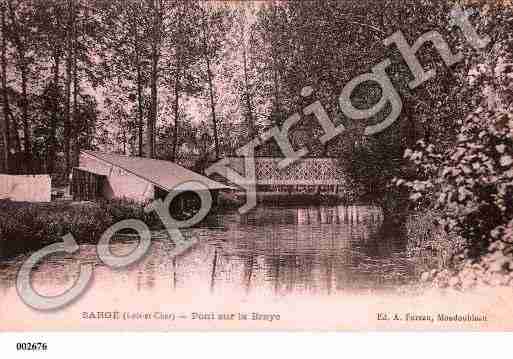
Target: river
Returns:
[[270, 252]]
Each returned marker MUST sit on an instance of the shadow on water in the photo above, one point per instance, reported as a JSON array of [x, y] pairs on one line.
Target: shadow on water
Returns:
[[312, 249]]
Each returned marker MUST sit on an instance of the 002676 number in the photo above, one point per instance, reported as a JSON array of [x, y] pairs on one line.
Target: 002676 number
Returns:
[[32, 346]]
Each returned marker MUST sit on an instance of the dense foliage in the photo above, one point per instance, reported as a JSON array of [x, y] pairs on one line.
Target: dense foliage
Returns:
[[473, 181], [470, 182]]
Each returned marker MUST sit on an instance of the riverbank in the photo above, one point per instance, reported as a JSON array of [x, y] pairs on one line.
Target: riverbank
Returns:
[[228, 201], [26, 227], [442, 260], [438, 259]]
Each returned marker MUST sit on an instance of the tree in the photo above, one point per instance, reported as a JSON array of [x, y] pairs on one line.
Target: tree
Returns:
[[21, 35], [215, 24], [155, 41], [5, 101], [244, 79], [182, 54], [70, 29], [125, 54], [51, 46], [470, 182]]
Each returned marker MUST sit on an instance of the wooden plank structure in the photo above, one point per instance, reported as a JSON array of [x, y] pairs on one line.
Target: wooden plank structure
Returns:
[[86, 185]]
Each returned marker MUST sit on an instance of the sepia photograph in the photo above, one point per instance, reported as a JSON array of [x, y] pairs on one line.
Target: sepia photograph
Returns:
[[194, 165]]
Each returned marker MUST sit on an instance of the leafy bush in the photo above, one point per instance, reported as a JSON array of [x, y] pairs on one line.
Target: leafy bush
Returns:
[[471, 187], [472, 182], [495, 268], [121, 209]]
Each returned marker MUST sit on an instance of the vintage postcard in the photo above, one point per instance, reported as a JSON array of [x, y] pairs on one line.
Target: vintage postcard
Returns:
[[340, 165]]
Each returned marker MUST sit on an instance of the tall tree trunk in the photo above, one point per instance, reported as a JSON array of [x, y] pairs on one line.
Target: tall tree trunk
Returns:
[[52, 146], [178, 69], [55, 104], [4, 166], [15, 130], [140, 123], [20, 53], [27, 143], [176, 108], [6, 128], [152, 120], [251, 120], [67, 101], [276, 74], [75, 144], [140, 110], [23, 67], [210, 85]]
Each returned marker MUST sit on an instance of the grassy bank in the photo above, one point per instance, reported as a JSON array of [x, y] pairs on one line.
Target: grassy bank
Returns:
[[29, 226]]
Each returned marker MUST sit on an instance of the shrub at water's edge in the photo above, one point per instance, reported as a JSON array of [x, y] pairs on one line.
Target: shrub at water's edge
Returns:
[[428, 245], [471, 188], [468, 182]]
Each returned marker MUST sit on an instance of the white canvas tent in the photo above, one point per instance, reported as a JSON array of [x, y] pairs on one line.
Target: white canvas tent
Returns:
[[26, 188]]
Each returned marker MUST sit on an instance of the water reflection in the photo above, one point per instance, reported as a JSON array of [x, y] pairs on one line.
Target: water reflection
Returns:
[[268, 252]]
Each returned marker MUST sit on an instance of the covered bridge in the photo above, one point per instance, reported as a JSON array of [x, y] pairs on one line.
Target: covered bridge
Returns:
[[107, 175], [306, 175]]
